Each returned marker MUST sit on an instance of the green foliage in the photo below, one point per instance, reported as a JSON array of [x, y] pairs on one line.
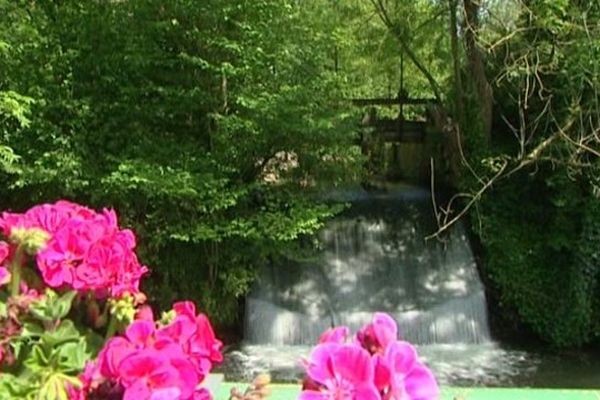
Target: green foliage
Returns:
[[536, 231], [49, 351], [207, 125], [539, 225]]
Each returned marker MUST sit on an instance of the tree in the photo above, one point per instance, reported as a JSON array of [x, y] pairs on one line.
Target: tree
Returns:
[[211, 126]]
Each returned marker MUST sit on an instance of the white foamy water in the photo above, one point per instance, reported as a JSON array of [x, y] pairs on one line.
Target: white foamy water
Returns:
[[468, 364]]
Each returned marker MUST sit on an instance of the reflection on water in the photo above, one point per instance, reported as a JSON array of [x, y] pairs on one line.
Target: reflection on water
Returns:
[[486, 364]]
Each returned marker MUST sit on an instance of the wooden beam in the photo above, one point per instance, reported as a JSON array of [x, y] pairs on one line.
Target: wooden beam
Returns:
[[392, 102], [395, 131]]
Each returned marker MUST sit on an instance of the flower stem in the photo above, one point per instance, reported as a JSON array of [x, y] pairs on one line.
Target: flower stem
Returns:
[[112, 327], [15, 271]]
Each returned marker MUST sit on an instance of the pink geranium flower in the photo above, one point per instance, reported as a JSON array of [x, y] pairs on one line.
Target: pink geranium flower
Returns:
[[152, 374], [151, 363], [376, 336], [4, 276], [86, 249], [337, 334], [4, 251], [399, 375], [4, 273], [110, 357], [375, 366], [343, 372], [195, 334]]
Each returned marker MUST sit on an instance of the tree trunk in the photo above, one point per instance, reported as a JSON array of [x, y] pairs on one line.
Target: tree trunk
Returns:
[[459, 106], [476, 66], [453, 138]]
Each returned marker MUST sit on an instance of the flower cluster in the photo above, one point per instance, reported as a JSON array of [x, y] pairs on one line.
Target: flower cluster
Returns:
[[83, 249], [154, 361], [375, 365], [4, 272]]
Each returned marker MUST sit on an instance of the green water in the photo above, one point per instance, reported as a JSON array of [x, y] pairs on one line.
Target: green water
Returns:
[[288, 392]]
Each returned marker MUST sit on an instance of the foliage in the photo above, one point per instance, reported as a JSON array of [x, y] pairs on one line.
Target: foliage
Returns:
[[545, 210], [534, 238], [49, 351], [210, 125]]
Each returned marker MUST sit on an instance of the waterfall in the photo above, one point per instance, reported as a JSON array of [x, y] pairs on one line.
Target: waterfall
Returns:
[[374, 258]]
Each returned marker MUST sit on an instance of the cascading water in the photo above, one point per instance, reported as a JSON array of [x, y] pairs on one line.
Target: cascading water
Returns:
[[375, 258]]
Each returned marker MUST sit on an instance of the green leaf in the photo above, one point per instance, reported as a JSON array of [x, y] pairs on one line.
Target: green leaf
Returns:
[[17, 388], [37, 359], [53, 308], [72, 356], [65, 332], [32, 330], [55, 387], [63, 304]]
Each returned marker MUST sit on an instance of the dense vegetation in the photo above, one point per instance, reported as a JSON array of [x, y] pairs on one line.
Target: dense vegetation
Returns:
[[204, 123], [212, 126]]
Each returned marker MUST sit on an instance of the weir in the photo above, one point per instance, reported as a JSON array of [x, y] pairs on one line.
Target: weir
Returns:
[[374, 258]]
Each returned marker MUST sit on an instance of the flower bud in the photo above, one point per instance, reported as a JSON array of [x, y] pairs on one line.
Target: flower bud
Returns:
[[261, 380], [31, 240], [123, 309], [167, 317]]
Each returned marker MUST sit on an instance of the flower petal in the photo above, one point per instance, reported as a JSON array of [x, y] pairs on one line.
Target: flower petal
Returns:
[[320, 363], [367, 393], [339, 334], [312, 395], [353, 363], [421, 385], [4, 276], [401, 357], [385, 329]]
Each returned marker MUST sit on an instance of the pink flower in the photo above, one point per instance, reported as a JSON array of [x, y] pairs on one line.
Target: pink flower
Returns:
[[144, 313], [152, 374], [111, 264], [376, 336], [4, 276], [399, 375], [375, 366], [195, 334], [4, 251], [338, 334], [8, 221], [4, 273], [140, 333], [64, 251], [52, 217], [110, 357], [344, 372], [153, 364], [86, 249]]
